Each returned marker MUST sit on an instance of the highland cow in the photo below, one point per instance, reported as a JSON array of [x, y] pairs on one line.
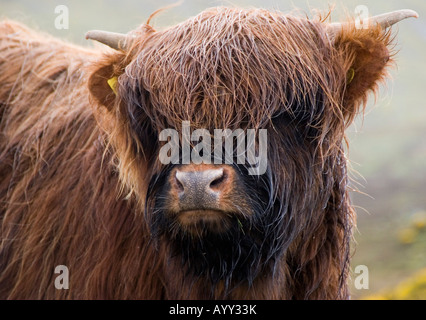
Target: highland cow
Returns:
[[82, 185]]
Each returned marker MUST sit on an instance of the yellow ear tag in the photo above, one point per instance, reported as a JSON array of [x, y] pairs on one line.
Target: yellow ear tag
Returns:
[[350, 76], [113, 84]]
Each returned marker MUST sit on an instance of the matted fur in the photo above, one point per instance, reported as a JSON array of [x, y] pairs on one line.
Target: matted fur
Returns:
[[79, 166]]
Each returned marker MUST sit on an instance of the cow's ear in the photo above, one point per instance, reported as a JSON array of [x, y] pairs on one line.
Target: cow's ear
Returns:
[[365, 55], [103, 81]]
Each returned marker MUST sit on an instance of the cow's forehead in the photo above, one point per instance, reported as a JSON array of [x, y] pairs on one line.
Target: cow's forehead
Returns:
[[228, 67]]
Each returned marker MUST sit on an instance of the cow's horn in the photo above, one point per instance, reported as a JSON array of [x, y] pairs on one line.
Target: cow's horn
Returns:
[[117, 41], [384, 20]]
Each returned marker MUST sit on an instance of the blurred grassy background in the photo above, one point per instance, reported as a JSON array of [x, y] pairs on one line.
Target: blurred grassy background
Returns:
[[387, 146]]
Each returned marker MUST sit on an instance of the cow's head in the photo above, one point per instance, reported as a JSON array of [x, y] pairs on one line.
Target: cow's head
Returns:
[[302, 81]]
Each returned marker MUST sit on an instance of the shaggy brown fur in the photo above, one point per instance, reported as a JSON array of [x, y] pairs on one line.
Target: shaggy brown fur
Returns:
[[78, 164]]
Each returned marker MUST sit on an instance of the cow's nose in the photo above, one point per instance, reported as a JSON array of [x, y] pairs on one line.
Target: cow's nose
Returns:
[[200, 189]]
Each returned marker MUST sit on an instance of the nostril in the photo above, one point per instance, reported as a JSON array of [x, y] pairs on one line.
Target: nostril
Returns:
[[179, 185], [217, 183]]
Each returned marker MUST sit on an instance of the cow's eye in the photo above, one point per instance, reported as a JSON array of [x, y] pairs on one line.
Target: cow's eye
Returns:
[[283, 119]]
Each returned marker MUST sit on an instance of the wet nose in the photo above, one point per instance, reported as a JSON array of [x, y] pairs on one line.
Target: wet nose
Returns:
[[200, 189]]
